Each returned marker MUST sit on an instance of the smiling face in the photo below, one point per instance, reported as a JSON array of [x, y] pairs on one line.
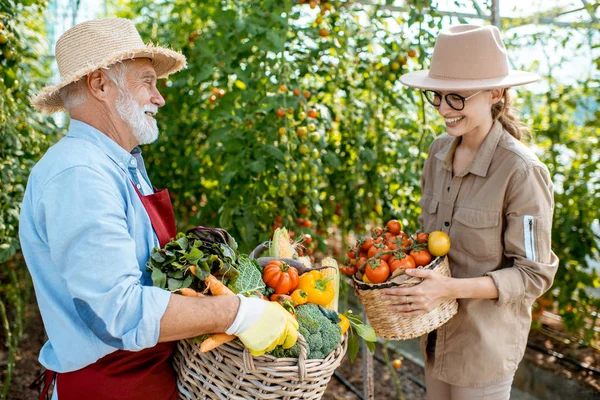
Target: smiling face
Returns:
[[476, 116], [137, 100]]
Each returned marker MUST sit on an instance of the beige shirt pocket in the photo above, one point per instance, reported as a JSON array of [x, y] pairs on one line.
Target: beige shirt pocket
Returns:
[[476, 233]]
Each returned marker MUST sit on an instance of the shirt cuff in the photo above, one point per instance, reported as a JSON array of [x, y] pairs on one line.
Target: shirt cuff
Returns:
[[509, 282], [154, 304]]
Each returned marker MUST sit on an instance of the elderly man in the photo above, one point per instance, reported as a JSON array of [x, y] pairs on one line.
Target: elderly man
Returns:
[[90, 219]]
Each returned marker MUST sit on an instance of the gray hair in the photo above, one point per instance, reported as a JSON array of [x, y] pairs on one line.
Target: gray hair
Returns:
[[75, 94]]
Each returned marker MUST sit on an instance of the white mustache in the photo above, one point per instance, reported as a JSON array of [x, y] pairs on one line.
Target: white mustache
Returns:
[[152, 108]]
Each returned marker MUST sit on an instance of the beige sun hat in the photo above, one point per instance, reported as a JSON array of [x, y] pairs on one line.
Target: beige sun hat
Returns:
[[468, 57], [97, 44]]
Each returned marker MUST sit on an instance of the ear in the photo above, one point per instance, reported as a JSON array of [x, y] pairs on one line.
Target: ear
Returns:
[[496, 95], [98, 85]]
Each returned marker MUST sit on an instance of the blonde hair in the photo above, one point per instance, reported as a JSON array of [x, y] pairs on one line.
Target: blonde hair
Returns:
[[503, 112]]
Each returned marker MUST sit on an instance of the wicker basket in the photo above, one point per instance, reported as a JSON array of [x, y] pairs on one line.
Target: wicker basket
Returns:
[[401, 328], [230, 372]]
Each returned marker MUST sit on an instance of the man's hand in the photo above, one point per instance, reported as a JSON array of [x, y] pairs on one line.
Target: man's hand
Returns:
[[263, 325]]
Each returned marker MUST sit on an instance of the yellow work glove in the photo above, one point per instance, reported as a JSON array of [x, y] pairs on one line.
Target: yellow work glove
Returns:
[[263, 325]]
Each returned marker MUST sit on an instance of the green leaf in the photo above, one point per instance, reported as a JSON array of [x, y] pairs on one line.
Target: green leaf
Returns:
[[159, 278], [174, 284], [366, 332], [353, 347]]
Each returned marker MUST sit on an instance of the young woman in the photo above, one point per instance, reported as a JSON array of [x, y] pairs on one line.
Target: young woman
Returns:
[[494, 198]]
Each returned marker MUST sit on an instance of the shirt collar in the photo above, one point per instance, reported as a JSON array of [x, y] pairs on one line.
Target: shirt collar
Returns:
[[81, 130], [481, 163]]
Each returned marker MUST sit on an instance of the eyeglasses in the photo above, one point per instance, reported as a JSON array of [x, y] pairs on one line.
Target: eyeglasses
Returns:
[[455, 101]]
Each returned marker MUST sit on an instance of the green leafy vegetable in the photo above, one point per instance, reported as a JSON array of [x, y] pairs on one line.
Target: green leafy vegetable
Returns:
[[250, 277]]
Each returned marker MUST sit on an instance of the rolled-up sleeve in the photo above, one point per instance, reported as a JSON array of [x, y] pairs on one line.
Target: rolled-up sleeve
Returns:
[[527, 238], [89, 241]]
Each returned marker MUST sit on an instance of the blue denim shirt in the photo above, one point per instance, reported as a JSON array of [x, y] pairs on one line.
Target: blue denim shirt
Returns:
[[86, 238]]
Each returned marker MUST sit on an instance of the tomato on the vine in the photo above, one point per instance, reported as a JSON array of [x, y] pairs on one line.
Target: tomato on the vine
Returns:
[[421, 257], [348, 270], [405, 262], [394, 226], [377, 271], [422, 237]]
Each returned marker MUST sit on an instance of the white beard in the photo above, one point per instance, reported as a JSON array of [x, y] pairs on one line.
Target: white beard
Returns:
[[144, 128]]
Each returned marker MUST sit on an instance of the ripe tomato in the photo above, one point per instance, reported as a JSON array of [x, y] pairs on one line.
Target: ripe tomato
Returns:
[[405, 262], [280, 112], [351, 253], [412, 53], [306, 94], [394, 227], [372, 251], [296, 92], [399, 242], [283, 88], [397, 363], [421, 257], [438, 244], [361, 262], [348, 270], [378, 271], [312, 113], [323, 32], [378, 231], [282, 130], [279, 219], [367, 244], [422, 237]]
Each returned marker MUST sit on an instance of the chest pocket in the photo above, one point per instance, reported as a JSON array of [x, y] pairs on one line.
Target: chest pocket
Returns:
[[476, 233], [430, 210]]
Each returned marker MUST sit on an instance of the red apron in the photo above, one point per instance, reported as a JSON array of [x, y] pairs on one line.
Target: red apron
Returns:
[[126, 375]]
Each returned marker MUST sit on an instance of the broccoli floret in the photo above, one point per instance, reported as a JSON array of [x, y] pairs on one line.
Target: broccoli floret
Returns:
[[321, 334]]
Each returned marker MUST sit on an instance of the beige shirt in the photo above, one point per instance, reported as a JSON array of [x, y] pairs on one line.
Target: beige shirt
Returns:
[[498, 214]]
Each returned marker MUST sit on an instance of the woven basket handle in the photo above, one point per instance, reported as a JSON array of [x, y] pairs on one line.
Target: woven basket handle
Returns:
[[249, 361]]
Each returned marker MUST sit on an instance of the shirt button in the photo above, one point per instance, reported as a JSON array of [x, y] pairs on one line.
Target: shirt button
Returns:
[[138, 186], [446, 224], [132, 162]]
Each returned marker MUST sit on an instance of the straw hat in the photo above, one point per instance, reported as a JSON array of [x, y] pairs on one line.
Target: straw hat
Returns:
[[468, 57], [97, 44]]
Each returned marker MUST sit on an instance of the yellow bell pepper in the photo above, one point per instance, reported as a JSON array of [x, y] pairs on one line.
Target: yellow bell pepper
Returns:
[[318, 290], [344, 323]]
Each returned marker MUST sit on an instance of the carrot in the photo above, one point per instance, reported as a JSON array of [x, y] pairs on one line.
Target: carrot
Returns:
[[214, 341], [216, 287], [192, 269], [188, 292]]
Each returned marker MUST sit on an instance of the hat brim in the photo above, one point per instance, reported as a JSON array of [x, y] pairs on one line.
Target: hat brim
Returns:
[[165, 62], [422, 80]]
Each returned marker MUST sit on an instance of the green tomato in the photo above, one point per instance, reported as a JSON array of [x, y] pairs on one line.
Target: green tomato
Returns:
[[293, 177], [315, 154], [311, 127], [281, 175], [315, 137], [303, 149]]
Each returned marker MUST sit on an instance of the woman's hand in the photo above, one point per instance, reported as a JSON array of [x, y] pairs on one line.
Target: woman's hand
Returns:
[[421, 298]]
